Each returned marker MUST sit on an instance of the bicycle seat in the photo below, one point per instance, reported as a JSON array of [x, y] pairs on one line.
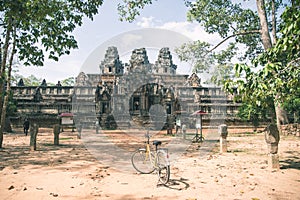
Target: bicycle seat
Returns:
[[156, 142]]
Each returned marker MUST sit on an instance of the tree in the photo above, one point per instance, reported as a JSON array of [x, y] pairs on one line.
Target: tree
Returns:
[[68, 81], [269, 81], [29, 28], [203, 59], [32, 80]]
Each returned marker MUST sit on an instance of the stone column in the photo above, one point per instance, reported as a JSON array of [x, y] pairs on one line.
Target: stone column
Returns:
[[97, 126], [33, 134], [298, 130], [184, 131], [272, 139], [223, 135], [79, 130], [56, 134]]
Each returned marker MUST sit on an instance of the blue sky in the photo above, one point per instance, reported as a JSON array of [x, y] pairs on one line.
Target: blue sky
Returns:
[[162, 14]]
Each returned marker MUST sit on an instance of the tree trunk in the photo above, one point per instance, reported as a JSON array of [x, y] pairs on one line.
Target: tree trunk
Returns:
[[4, 59], [2, 74], [265, 35], [274, 22], [7, 92], [281, 117]]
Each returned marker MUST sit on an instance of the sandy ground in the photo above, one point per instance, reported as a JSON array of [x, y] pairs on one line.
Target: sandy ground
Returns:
[[72, 171]]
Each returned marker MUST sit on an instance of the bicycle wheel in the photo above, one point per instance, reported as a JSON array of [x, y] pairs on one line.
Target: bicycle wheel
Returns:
[[141, 161], [163, 167]]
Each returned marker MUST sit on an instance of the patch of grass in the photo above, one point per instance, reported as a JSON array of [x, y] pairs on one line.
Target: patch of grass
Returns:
[[243, 134], [68, 138]]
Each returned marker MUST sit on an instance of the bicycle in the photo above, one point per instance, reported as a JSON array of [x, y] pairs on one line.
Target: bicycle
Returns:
[[145, 161]]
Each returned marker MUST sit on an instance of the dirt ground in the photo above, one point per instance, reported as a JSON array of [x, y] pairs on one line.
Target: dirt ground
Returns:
[[77, 169]]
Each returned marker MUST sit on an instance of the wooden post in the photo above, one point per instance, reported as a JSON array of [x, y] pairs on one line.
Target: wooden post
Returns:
[[33, 134], [56, 134]]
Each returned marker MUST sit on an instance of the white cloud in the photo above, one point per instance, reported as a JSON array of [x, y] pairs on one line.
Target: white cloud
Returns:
[[192, 30], [146, 22]]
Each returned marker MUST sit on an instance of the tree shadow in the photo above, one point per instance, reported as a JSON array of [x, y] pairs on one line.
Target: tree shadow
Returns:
[[176, 184], [292, 161], [17, 156]]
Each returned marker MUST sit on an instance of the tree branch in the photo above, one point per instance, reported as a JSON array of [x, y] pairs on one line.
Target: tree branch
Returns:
[[274, 22], [293, 61], [234, 35]]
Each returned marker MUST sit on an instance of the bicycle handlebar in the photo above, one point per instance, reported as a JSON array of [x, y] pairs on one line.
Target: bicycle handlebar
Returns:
[[147, 135]]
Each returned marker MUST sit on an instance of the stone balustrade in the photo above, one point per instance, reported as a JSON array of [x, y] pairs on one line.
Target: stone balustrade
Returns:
[[51, 90]]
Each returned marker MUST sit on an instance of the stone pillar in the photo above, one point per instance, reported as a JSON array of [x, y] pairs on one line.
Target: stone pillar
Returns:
[[97, 127], [184, 131], [56, 134], [79, 130], [33, 134], [298, 130], [223, 135], [272, 139]]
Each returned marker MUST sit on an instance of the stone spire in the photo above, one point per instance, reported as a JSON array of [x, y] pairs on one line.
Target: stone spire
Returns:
[[164, 63], [111, 63], [194, 80], [139, 61]]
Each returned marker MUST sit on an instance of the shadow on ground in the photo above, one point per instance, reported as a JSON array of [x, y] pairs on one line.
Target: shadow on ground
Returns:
[[292, 161], [176, 184]]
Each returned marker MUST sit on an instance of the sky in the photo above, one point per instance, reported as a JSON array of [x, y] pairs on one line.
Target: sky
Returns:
[[105, 29]]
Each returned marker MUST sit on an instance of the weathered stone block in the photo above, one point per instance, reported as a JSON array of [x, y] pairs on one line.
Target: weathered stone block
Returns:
[[273, 161], [223, 145], [272, 138]]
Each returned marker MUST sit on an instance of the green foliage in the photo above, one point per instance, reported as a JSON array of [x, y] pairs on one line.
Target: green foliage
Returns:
[[248, 112], [44, 25], [228, 19], [275, 74], [222, 70], [197, 54], [202, 59], [32, 81], [129, 9], [281, 72], [68, 81]]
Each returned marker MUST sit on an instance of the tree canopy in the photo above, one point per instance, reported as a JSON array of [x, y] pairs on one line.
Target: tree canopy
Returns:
[[33, 29], [43, 26]]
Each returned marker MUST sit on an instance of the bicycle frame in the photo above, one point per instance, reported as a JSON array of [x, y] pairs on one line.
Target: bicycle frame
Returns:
[[157, 160], [154, 160]]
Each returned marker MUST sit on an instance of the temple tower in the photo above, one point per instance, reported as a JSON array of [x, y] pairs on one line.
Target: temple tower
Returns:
[[164, 63], [139, 61], [111, 63]]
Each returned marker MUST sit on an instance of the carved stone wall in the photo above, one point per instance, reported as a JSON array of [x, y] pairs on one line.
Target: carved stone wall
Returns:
[[112, 92]]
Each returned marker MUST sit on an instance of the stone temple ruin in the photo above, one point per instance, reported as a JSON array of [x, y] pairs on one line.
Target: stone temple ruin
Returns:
[[123, 95]]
